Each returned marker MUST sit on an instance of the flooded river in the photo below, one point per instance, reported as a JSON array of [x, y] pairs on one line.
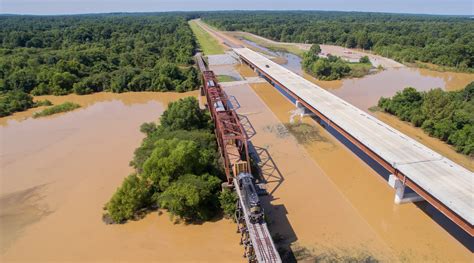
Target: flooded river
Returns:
[[407, 232], [412, 232], [365, 93], [57, 173]]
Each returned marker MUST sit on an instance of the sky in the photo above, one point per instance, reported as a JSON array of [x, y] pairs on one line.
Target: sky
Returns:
[[54, 7]]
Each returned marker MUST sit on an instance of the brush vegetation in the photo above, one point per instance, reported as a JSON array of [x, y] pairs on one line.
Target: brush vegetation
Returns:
[[64, 107]]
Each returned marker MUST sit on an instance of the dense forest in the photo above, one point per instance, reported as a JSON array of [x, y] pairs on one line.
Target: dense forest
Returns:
[[442, 40], [91, 53], [332, 67], [448, 116], [176, 168]]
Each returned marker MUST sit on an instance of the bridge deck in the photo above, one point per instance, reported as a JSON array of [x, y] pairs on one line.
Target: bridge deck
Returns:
[[445, 180]]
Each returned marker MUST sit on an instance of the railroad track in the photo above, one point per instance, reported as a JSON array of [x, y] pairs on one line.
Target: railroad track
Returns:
[[260, 238]]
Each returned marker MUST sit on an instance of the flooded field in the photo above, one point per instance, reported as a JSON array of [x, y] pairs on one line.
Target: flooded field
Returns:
[[365, 92], [58, 172], [407, 230]]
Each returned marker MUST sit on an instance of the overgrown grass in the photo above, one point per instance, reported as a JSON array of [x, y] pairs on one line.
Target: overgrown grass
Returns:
[[305, 254], [439, 68], [304, 133], [359, 70], [43, 103], [291, 48], [64, 107], [209, 45], [225, 78], [375, 109]]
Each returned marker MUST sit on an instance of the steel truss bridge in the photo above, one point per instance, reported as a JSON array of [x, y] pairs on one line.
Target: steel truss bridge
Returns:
[[233, 148]]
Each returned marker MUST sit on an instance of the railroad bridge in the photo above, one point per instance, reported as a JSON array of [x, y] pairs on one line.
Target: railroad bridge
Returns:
[[233, 148], [446, 185]]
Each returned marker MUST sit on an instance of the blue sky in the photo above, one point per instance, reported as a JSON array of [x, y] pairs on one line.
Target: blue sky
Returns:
[[47, 7]]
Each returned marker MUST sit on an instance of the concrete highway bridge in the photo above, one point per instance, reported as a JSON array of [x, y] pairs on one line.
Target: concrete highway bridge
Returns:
[[446, 185]]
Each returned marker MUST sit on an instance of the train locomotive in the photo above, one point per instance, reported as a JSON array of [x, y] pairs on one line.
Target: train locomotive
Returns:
[[250, 197]]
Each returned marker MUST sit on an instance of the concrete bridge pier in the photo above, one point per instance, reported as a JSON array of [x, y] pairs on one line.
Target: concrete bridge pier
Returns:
[[303, 111], [401, 197]]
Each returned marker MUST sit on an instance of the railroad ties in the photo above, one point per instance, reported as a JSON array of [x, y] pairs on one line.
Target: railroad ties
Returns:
[[255, 237], [233, 148]]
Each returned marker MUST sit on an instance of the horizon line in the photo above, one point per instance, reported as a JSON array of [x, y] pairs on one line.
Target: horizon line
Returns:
[[232, 10]]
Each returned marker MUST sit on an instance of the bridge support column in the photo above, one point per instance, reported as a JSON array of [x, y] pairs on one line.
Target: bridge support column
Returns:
[[303, 111], [401, 197]]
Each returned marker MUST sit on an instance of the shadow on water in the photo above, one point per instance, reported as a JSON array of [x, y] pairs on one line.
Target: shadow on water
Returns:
[[454, 230], [19, 210], [234, 103], [247, 125], [276, 215]]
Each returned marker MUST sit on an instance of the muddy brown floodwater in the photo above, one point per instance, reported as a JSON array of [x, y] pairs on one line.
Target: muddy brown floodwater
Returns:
[[365, 92], [401, 232], [58, 172]]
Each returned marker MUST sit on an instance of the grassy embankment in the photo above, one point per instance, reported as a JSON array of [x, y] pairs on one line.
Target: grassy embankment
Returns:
[[208, 44], [225, 78], [64, 107], [290, 48]]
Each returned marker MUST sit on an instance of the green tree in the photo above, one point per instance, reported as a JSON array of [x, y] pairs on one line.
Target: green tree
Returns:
[[192, 197], [172, 158], [121, 79], [364, 59], [133, 195], [13, 101], [62, 83], [228, 201], [315, 49], [23, 79], [184, 114]]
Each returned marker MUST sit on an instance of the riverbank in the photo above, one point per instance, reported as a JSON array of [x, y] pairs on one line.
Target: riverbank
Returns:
[[59, 171]]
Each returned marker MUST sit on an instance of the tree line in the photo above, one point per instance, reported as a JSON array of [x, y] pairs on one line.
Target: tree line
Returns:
[[441, 40], [91, 53], [177, 168], [447, 115]]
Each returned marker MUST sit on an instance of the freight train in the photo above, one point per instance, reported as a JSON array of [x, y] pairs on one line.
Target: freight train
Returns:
[[250, 197]]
